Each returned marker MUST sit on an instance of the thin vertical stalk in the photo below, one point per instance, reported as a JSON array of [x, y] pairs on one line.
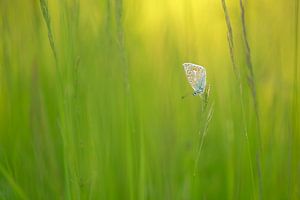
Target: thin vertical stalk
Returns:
[[252, 87], [293, 134], [202, 136], [128, 96], [239, 82], [250, 77], [45, 11], [295, 94], [120, 32], [47, 19]]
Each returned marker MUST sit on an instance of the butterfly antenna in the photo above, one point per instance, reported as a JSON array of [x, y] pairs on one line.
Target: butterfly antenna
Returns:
[[183, 97]]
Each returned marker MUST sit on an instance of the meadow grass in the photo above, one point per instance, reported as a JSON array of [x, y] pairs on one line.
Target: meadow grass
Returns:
[[239, 82], [91, 108]]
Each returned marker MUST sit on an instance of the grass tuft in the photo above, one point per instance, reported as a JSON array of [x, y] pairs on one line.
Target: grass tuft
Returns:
[[46, 15]]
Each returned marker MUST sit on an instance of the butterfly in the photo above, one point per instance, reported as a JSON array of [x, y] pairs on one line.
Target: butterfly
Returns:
[[196, 76]]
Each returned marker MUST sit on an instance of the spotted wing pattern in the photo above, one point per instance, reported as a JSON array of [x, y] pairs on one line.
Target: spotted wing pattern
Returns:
[[196, 76]]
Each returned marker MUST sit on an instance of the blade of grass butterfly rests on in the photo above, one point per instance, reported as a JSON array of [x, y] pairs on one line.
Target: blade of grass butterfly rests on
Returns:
[[196, 76], [203, 132]]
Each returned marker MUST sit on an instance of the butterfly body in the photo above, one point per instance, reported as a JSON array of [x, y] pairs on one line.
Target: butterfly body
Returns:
[[196, 76]]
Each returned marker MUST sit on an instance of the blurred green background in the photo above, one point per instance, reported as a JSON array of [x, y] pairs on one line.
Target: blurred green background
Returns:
[[91, 108]]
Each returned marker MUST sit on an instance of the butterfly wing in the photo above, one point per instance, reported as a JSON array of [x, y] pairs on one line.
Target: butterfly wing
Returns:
[[196, 76]]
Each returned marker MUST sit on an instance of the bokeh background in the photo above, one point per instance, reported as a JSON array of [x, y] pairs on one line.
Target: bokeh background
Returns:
[[91, 108]]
